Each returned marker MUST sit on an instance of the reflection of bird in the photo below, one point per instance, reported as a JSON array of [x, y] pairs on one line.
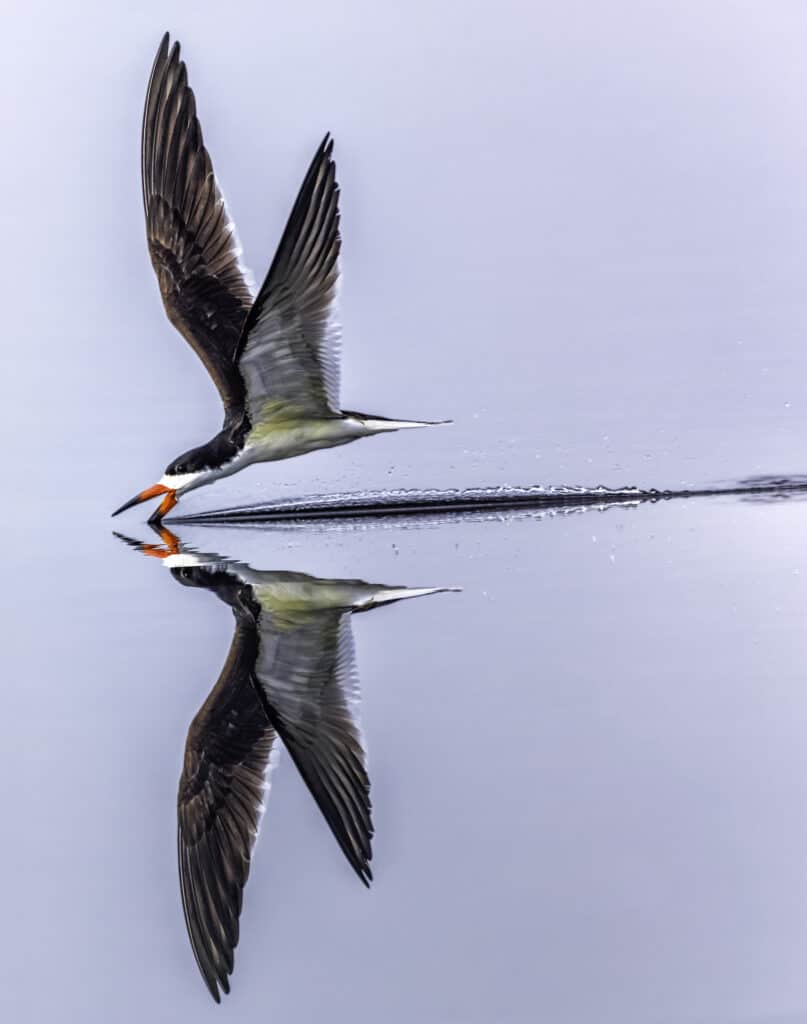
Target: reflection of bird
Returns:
[[291, 673], [274, 359]]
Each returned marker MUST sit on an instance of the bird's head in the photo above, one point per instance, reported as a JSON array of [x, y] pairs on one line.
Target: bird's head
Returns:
[[183, 474]]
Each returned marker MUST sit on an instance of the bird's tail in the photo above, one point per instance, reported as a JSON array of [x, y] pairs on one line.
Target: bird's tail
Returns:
[[386, 595], [378, 424]]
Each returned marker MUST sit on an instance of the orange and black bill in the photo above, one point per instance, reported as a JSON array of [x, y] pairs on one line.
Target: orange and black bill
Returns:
[[167, 504], [171, 544]]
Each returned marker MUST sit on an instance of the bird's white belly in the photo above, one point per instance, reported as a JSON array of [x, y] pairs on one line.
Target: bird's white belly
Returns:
[[269, 442]]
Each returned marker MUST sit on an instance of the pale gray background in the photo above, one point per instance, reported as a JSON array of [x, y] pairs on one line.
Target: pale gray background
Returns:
[[580, 230]]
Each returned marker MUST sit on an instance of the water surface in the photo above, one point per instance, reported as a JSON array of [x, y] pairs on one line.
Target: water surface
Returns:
[[588, 775]]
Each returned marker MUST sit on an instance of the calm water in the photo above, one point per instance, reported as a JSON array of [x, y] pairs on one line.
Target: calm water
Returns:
[[588, 775], [580, 233]]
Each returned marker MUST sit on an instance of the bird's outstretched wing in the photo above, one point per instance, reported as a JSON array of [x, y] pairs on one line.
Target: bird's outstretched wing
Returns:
[[191, 239], [219, 805], [288, 355], [305, 671]]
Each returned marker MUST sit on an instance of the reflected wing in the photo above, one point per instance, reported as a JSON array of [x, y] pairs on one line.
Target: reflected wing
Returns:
[[287, 355], [305, 669], [219, 806], [191, 240]]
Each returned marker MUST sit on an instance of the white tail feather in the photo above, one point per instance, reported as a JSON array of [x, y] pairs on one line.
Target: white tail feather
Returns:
[[403, 593], [377, 426]]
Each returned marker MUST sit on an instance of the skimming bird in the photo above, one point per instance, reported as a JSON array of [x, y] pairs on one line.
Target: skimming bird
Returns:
[[274, 359], [290, 673]]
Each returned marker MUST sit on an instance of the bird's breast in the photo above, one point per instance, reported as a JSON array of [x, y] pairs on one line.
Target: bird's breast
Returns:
[[283, 439]]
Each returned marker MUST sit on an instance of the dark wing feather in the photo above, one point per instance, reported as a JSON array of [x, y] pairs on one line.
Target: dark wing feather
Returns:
[[287, 354], [191, 240], [219, 806], [305, 671]]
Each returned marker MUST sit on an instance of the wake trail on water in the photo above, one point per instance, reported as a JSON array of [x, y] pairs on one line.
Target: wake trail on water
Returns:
[[480, 502]]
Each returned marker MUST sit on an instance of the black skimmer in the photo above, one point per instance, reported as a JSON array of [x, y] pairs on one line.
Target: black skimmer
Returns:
[[274, 358], [290, 672]]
